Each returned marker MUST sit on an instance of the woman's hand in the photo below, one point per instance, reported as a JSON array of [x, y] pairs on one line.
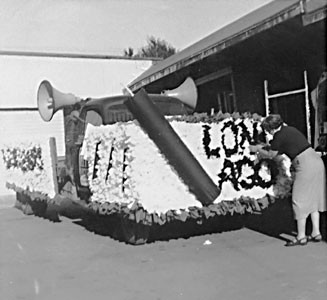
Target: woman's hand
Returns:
[[265, 153], [253, 148], [260, 150], [256, 148]]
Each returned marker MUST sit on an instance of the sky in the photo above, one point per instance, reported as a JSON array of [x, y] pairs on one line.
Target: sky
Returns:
[[110, 26]]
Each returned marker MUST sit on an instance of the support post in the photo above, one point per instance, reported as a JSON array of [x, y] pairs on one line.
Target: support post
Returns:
[[305, 90], [307, 106], [54, 163], [266, 97]]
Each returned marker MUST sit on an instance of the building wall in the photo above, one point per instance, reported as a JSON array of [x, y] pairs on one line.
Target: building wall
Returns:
[[279, 56], [281, 59]]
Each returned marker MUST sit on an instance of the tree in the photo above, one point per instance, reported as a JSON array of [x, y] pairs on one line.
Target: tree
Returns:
[[155, 47], [129, 52]]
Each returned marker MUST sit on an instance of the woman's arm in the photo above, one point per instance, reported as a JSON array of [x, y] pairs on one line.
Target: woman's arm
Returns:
[[263, 150]]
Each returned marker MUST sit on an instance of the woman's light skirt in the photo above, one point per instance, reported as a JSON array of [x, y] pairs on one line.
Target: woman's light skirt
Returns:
[[309, 188]]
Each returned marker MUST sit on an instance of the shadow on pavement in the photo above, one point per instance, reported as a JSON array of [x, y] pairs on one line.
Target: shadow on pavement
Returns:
[[275, 221]]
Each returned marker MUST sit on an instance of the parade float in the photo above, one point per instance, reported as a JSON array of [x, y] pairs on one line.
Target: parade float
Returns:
[[147, 160], [30, 170]]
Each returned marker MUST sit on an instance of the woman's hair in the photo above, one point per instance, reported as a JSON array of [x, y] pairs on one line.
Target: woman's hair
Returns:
[[272, 122]]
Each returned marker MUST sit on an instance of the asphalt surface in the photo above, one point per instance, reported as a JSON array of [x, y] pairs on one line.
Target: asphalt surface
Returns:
[[64, 260]]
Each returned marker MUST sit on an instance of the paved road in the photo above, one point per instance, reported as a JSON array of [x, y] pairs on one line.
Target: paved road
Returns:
[[45, 260]]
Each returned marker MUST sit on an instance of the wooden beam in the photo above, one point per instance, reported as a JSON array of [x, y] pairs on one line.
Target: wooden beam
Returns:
[[213, 76], [18, 109], [73, 55]]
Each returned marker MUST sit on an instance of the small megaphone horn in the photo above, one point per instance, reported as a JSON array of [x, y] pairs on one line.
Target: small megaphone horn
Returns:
[[186, 93], [50, 100]]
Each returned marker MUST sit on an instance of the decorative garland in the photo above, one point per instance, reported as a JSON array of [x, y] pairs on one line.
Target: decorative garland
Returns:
[[255, 179], [22, 158], [216, 118], [206, 142], [110, 155], [234, 129], [252, 178], [238, 130], [241, 205], [28, 166], [108, 161], [266, 173], [33, 195]]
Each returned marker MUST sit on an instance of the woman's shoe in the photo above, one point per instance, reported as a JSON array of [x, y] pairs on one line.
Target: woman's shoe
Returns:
[[315, 239], [297, 242]]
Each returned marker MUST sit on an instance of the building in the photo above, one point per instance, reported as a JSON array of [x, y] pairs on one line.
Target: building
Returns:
[[276, 42]]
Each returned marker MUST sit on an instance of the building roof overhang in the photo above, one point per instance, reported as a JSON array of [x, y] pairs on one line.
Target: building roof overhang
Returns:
[[259, 20]]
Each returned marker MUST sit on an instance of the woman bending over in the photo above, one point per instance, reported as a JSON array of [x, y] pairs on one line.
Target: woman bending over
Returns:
[[309, 187]]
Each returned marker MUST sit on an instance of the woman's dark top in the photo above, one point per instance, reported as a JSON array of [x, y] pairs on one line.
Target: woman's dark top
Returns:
[[289, 141]]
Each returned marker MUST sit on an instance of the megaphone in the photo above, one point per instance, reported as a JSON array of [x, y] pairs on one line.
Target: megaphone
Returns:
[[50, 100], [186, 92]]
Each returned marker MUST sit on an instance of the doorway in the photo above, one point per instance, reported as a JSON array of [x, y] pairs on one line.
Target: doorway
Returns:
[[216, 92]]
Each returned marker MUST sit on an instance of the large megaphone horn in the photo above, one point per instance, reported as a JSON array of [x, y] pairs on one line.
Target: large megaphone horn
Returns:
[[186, 92], [50, 100]]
